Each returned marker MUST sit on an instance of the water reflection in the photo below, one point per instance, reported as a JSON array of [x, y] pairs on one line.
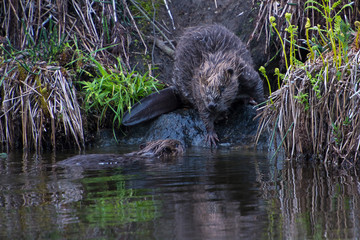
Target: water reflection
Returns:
[[225, 194], [312, 202]]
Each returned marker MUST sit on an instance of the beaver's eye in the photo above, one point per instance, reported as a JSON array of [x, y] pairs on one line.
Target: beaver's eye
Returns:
[[167, 150], [222, 88]]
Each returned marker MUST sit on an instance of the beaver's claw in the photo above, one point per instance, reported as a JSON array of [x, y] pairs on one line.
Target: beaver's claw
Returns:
[[212, 139]]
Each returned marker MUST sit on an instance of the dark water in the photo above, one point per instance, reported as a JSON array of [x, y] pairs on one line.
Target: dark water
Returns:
[[224, 194]]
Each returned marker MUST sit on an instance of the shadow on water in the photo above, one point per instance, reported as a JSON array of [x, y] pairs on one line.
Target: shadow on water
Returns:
[[224, 194]]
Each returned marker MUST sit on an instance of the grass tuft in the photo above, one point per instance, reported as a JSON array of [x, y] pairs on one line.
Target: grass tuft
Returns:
[[316, 110]]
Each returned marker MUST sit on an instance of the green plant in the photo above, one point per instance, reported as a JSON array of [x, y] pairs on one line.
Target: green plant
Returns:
[[273, 24], [357, 25], [336, 131], [328, 12], [263, 72], [315, 82], [280, 77], [307, 27], [343, 34], [292, 30], [304, 99], [116, 90], [325, 85]]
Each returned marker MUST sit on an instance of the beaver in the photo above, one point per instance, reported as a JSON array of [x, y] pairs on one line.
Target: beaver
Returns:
[[212, 70], [164, 149]]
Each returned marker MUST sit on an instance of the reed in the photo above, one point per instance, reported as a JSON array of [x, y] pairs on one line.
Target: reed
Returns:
[[48, 47], [316, 110], [38, 106]]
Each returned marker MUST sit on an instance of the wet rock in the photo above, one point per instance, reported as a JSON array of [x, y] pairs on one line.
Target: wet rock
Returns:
[[186, 126]]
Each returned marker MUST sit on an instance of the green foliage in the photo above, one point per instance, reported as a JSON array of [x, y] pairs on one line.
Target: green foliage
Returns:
[[337, 134], [263, 72], [357, 25], [273, 25], [307, 26], [315, 82], [280, 76], [292, 30], [342, 34], [324, 85], [49, 44], [336, 36], [46, 48], [116, 90], [336, 30], [304, 99]]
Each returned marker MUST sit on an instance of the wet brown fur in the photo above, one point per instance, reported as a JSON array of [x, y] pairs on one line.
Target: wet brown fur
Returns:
[[161, 149], [212, 70]]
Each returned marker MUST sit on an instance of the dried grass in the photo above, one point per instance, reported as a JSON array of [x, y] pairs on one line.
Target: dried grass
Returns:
[[37, 106], [38, 101], [102, 28], [325, 126], [278, 9]]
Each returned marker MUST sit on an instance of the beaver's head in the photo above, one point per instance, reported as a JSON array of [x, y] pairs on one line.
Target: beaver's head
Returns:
[[162, 149], [218, 79]]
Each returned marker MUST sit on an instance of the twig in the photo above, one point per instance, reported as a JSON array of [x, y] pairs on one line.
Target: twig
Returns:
[[170, 15], [161, 44], [157, 28], [133, 21]]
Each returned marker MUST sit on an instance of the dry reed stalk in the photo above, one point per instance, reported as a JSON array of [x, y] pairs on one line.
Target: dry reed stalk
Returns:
[[95, 25], [278, 9], [324, 123], [42, 105]]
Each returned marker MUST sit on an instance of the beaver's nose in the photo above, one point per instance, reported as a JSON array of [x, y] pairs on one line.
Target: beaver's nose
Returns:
[[212, 106]]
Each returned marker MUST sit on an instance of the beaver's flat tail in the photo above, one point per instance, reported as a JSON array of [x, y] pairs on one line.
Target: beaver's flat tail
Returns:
[[152, 106]]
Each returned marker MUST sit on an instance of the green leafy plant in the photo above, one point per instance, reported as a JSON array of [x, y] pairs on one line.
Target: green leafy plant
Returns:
[[331, 16], [292, 30], [357, 25], [304, 99], [263, 72], [273, 25], [116, 90], [280, 77], [325, 85], [315, 82], [307, 27]]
